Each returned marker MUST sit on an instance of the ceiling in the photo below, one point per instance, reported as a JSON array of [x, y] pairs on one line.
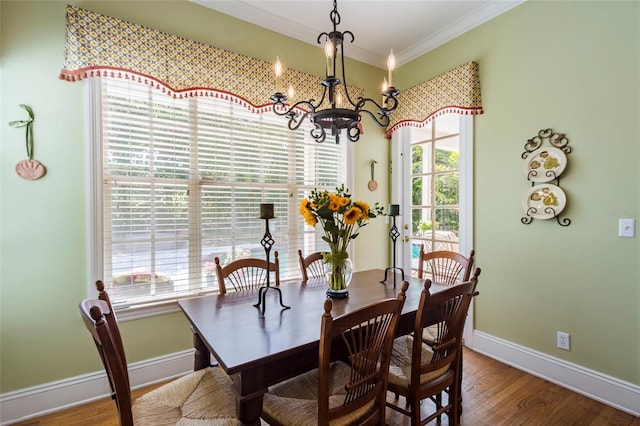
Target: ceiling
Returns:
[[410, 27]]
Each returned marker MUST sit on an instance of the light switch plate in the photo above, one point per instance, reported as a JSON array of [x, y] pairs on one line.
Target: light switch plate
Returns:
[[627, 228]]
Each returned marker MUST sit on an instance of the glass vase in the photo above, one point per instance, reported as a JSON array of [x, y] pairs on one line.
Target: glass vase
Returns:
[[339, 273]]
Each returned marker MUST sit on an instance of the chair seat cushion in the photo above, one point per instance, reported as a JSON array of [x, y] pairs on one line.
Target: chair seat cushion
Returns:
[[430, 333], [294, 402], [400, 366], [202, 397]]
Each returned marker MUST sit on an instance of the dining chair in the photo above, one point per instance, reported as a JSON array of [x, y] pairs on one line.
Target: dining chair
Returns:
[[311, 266], [444, 267], [246, 274], [203, 396], [339, 392], [419, 370]]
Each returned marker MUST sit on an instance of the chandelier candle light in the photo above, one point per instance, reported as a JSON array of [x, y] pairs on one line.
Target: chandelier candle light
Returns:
[[341, 114]]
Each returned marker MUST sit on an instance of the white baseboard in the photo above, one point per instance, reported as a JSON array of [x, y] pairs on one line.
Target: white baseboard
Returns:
[[36, 401], [39, 400], [609, 390]]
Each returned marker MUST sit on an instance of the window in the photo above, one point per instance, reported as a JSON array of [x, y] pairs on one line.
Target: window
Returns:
[[177, 182]]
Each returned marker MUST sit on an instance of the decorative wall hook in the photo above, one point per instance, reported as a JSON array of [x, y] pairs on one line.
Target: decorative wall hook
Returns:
[[29, 169]]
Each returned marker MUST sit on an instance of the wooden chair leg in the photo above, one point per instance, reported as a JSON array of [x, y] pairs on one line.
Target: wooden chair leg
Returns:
[[438, 401], [459, 384], [415, 412], [454, 417]]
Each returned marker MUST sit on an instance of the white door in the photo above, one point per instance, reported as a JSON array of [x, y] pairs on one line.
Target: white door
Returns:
[[432, 181]]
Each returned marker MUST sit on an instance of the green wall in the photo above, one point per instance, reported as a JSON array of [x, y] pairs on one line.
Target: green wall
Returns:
[[573, 67], [43, 223], [570, 66]]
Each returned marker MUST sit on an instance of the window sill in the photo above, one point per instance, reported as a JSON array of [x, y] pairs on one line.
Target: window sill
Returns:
[[132, 313]]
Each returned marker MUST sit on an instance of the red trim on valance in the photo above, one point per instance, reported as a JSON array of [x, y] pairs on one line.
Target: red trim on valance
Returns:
[[427, 120], [113, 72]]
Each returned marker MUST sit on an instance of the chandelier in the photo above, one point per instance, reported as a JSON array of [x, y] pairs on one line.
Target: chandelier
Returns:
[[341, 115]]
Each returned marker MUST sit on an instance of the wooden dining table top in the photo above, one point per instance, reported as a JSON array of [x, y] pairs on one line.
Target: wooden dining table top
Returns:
[[258, 351], [239, 338]]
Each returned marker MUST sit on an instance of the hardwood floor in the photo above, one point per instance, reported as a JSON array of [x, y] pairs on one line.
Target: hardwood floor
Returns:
[[493, 394]]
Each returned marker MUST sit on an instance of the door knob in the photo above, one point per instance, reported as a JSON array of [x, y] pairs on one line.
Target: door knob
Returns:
[[405, 239]]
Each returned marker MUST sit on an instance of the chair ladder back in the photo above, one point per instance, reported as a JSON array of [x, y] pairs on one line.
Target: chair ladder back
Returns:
[[445, 267], [467, 270], [112, 319], [247, 278], [246, 274], [99, 320], [450, 306], [364, 343], [311, 266], [367, 335], [102, 293]]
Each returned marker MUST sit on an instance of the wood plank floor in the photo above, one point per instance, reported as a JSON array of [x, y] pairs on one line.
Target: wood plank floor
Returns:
[[493, 394]]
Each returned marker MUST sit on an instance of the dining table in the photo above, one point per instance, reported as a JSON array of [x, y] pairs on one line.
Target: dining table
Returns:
[[257, 351]]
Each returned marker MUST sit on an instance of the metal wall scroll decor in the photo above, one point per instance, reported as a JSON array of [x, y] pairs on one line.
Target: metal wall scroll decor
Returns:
[[542, 166]]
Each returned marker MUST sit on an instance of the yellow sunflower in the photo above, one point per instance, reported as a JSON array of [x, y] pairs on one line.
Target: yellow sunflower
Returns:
[[352, 215], [364, 206], [310, 219], [334, 203]]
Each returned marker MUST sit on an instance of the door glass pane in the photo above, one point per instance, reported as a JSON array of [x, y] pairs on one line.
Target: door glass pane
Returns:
[[421, 190], [448, 220], [447, 189], [421, 158], [447, 154], [422, 223]]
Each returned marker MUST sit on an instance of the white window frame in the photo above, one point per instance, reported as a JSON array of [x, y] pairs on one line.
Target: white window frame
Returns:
[[95, 206]]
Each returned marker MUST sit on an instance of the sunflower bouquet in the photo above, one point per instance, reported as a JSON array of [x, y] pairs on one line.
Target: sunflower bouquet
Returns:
[[341, 219]]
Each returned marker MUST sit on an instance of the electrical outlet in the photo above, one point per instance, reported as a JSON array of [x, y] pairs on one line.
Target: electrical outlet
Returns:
[[564, 341]]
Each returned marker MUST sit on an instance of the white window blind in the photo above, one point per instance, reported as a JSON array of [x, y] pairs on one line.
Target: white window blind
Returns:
[[182, 182]]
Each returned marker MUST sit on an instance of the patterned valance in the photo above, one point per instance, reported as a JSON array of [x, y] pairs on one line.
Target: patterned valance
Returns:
[[98, 45], [455, 91]]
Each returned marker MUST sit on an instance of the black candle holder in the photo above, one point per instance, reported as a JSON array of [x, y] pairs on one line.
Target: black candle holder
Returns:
[[394, 210], [266, 213]]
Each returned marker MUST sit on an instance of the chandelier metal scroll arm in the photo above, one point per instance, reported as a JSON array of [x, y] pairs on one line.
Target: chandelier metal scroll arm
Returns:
[[344, 76], [282, 109], [390, 100], [296, 120], [353, 131], [382, 120], [318, 133]]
